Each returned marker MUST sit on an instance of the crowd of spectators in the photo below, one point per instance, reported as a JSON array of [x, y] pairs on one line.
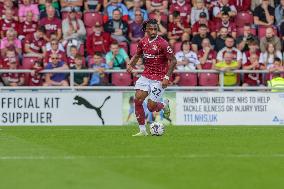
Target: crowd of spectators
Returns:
[[222, 35]]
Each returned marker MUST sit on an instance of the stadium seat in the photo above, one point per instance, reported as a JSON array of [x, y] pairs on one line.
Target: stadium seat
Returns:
[[133, 48], [208, 79], [262, 31], [243, 18], [64, 15], [28, 62], [188, 79], [89, 31], [90, 18], [121, 79], [240, 31], [124, 45], [177, 47], [82, 50]]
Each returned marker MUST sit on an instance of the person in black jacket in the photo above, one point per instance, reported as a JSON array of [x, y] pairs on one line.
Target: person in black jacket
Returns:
[[117, 27]]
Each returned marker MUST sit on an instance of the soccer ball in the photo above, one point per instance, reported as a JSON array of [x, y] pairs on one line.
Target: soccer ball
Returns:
[[157, 129]]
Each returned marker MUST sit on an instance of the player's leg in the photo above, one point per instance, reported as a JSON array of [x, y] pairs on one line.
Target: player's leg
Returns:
[[155, 103], [140, 96]]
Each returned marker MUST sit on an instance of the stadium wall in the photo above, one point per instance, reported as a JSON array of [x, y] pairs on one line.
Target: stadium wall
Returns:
[[116, 108]]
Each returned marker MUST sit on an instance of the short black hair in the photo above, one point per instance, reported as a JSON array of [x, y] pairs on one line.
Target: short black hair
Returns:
[[41, 29], [176, 14], [276, 59], [97, 53], [149, 22]]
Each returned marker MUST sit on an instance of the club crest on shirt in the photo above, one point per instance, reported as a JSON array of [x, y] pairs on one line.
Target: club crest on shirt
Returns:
[[155, 47]]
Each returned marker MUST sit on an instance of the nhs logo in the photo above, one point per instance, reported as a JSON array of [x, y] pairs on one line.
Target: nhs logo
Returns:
[[278, 120]]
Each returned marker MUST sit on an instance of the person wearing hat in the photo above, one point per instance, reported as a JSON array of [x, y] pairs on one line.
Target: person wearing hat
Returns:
[[13, 79], [197, 10], [74, 31], [203, 20], [98, 41]]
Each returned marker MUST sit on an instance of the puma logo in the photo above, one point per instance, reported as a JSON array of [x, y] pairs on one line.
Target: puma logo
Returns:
[[78, 100]]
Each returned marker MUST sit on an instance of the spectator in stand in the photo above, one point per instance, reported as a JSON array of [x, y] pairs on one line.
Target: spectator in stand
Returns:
[[13, 79], [117, 27], [51, 24], [93, 5], [46, 4], [72, 56], [206, 55], [56, 79], [28, 26], [117, 58], [115, 5], [160, 5], [11, 42], [34, 44], [270, 37], [197, 10], [253, 49], [7, 23], [241, 5], [53, 36], [10, 56], [74, 31], [177, 28], [282, 32], [137, 7], [264, 14], [253, 79], [162, 31], [8, 5], [60, 55], [99, 77], [26, 7], [186, 58], [277, 66], [203, 20], [279, 13], [226, 22], [99, 41], [67, 5], [80, 79], [223, 6], [135, 28], [202, 34], [234, 52], [36, 78], [243, 40], [183, 7], [228, 65], [266, 58], [220, 40], [255, 3]]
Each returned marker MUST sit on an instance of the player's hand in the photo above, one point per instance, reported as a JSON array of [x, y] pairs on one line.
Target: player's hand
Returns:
[[165, 83], [129, 68]]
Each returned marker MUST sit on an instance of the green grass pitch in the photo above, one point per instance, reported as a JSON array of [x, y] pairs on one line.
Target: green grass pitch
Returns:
[[109, 157]]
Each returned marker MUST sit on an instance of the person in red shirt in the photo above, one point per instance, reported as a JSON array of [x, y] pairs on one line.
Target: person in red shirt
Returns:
[[241, 5], [29, 26], [253, 79], [160, 62], [51, 24], [226, 22], [61, 55], [99, 41], [36, 78], [10, 56], [183, 7], [13, 79], [203, 20], [34, 43], [177, 28], [161, 5], [8, 23]]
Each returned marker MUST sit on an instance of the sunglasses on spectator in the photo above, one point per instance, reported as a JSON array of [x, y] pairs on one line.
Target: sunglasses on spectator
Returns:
[[54, 58]]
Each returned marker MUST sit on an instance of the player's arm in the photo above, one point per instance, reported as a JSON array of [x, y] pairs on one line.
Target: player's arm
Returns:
[[172, 66], [132, 62]]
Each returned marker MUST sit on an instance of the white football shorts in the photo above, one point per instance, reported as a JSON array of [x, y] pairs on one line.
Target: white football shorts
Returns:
[[153, 87]]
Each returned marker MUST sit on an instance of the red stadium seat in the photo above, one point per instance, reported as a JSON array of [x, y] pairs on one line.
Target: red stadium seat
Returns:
[[262, 31], [89, 31], [208, 79], [82, 50], [240, 31], [121, 79], [65, 15], [188, 79], [177, 47], [90, 18], [243, 18], [124, 45], [28, 62], [133, 48]]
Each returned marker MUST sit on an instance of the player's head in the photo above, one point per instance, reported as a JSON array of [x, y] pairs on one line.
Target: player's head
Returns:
[[151, 28]]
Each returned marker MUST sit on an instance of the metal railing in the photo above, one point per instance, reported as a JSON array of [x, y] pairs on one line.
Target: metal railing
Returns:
[[221, 87]]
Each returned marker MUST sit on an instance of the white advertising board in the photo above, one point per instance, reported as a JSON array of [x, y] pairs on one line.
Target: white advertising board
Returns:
[[61, 108], [229, 108]]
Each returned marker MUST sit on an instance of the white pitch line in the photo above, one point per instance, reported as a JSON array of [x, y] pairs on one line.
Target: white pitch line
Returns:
[[191, 156]]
